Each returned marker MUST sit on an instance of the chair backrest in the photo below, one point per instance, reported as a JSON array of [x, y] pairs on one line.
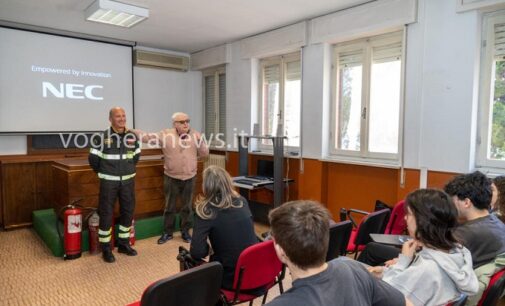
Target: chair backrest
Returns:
[[198, 286], [339, 238], [259, 265], [397, 224], [373, 223], [494, 290], [461, 301]]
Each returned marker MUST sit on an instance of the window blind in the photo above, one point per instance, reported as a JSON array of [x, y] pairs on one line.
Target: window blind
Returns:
[[222, 103], [499, 40], [387, 53], [293, 71], [210, 106], [272, 74], [350, 58]]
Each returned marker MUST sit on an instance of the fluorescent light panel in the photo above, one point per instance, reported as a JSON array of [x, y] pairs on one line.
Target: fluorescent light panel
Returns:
[[116, 13]]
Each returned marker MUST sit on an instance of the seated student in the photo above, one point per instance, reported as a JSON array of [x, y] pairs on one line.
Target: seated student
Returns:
[[498, 200], [300, 230], [433, 268], [481, 232], [222, 216], [471, 193]]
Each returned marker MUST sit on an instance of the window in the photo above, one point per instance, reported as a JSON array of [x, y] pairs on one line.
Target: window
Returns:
[[491, 141], [367, 102], [280, 97], [214, 92]]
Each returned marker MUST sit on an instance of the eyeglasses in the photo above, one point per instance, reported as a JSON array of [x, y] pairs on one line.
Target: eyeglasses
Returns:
[[183, 121]]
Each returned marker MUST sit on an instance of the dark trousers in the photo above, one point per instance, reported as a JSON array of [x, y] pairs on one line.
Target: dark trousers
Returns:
[[174, 189], [109, 192], [376, 254]]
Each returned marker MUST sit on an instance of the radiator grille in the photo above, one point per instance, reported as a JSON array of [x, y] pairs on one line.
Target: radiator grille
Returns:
[[216, 160]]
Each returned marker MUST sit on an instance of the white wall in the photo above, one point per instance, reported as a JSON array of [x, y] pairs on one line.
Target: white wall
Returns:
[[442, 70], [440, 88], [160, 93], [12, 144]]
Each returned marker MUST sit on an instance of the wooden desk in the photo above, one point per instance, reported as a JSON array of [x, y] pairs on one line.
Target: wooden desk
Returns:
[[33, 182], [74, 179]]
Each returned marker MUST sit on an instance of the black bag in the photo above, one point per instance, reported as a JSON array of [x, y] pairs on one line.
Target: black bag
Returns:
[[185, 260]]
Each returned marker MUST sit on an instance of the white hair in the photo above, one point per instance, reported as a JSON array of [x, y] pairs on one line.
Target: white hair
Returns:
[[175, 115]]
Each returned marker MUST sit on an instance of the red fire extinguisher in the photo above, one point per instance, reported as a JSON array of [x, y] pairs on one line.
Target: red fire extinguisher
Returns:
[[93, 223], [132, 233], [72, 220]]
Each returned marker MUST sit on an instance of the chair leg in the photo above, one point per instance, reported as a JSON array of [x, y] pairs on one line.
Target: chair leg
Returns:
[[250, 302], [264, 298], [281, 287]]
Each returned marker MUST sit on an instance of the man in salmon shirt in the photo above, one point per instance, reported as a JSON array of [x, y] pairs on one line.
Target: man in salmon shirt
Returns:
[[181, 148]]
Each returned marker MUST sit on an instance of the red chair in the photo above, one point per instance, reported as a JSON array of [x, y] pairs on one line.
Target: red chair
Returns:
[[494, 290], [198, 286], [258, 269], [397, 224], [372, 223]]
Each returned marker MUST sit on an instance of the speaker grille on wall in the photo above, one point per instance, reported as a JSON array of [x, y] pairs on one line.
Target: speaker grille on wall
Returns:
[[216, 160], [160, 60]]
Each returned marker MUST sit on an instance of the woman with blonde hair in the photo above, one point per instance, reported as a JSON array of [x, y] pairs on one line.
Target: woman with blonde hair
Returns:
[[222, 216]]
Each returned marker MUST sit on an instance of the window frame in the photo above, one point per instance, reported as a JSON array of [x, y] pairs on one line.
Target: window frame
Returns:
[[486, 91], [366, 45], [282, 61], [215, 72]]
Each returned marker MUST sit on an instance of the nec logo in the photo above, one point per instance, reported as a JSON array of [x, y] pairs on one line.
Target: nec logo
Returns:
[[71, 91]]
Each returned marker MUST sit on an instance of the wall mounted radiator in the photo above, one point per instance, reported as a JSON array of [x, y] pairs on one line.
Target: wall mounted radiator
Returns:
[[216, 160]]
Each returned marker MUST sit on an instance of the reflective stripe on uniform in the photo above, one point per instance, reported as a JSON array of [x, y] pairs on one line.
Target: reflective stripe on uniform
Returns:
[[104, 236], [124, 228], [104, 233], [124, 232], [104, 239], [114, 156], [115, 177]]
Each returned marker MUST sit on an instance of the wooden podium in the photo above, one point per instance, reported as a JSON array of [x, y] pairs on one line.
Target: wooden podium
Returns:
[[74, 179]]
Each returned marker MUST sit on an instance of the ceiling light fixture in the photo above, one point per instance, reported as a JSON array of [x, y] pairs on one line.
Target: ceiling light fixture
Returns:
[[116, 13]]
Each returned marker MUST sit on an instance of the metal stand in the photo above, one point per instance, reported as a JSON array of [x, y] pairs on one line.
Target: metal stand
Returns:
[[278, 145]]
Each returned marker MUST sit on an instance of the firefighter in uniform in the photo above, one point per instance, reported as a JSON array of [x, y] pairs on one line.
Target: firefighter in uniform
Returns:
[[113, 157]]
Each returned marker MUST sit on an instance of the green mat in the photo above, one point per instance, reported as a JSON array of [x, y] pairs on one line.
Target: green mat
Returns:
[[44, 223]]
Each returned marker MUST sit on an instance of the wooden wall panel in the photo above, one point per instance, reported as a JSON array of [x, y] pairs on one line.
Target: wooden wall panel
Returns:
[[438, 179], [411, 183], [310, 182], [232, 163], [1, 199], [19, 193], [354, 186]]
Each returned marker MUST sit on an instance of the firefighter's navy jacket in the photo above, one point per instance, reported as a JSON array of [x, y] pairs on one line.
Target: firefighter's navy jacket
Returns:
[[113, 155]]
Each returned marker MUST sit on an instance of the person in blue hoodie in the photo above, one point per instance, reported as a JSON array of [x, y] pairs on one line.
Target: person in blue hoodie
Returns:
[[433, 267]]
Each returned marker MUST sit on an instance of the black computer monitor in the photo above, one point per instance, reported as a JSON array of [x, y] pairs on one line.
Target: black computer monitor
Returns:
[[265, 168]]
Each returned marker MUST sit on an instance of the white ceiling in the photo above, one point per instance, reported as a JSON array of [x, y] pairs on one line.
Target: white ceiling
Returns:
[[184, 25]]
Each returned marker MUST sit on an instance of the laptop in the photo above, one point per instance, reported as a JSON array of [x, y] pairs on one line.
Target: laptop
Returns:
[[396, 240]]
